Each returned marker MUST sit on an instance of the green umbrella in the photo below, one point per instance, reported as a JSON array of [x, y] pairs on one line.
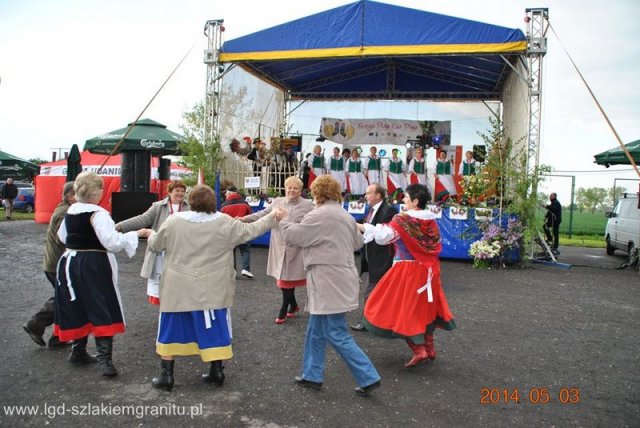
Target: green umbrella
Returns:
[[74, 165], [146, 135], [616, 156], [16, 168]]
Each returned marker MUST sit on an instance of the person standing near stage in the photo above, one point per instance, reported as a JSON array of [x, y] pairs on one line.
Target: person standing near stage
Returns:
[[373, 166], [396, 170], [336, 167], [375, 259], [553, 218], [8, 193], [53, 250], [87, 295], [409, 301], [468, 165], [328, 236], [235, 206], [157, 213], [284, 262]]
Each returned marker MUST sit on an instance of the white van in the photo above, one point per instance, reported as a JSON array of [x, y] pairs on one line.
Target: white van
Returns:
[[623, 226]]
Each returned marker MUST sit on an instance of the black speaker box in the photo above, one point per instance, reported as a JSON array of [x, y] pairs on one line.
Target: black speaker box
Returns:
[[125, 205], [164, 169], [128, 167], [479, 153], [142, 173]]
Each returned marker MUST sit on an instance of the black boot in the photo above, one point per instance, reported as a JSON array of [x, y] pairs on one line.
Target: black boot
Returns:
[[104, 345], [165, 380], [216, 374], [79, 354]]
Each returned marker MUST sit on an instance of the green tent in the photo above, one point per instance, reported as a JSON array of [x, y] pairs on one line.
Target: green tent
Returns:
[[16, 168], [616, 156], [146, 135]]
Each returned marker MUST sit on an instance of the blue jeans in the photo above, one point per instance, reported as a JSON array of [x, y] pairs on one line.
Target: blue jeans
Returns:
[[245, 256], [333, 329]]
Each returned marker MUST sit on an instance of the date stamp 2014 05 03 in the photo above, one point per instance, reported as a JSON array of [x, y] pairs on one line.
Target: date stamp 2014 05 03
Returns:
[[533, 395]]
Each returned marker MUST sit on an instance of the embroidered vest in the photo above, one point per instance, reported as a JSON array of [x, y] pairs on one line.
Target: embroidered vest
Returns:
[[355, 166], [443, 168], [374, 164], [395, 167], [418, 166], [317, 162], [337, 164], [468, 168]]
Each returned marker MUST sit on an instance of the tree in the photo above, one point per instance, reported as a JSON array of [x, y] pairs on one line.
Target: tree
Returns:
[[591, 198], [37, 161], [613, 194]]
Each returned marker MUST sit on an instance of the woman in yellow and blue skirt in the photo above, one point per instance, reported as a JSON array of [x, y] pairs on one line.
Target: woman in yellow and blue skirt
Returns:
[[198, 283]]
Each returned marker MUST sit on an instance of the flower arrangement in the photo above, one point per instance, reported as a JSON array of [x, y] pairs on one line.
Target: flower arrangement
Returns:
[[474, 188], [496, 241]]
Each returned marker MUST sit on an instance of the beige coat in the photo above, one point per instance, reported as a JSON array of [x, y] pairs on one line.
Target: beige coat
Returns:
[[198, 262], [328, 236], [153, 217], [284, 262]]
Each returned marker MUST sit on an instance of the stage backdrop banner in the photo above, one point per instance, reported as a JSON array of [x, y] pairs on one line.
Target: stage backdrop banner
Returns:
[[355, 132]]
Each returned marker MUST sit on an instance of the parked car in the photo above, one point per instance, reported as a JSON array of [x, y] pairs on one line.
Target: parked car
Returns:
[[623, 226], [25, 201]]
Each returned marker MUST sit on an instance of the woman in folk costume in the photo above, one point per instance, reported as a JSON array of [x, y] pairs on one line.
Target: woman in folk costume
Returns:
[[418, 168], [154, 217], [373, 167], [317, 164], [445, 186], [409, 301], [396, 170], [356, 181], [468, 165], [87, 298], [336, 167], [198, 283], [284, 262]]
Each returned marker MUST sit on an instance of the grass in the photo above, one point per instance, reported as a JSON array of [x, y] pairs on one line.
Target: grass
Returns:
[[17, 215], [583, 224], [589, 241]]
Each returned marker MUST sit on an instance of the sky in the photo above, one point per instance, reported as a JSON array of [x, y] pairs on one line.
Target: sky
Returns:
[[74, 69]]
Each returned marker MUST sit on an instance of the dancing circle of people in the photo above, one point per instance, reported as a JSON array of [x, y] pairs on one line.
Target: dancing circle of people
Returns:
[[189, 264]]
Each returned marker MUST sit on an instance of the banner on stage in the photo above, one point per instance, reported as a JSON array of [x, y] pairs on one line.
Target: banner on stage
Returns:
[[355, 132]]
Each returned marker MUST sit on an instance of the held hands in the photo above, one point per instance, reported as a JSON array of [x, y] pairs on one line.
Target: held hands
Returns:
[[144, 233], [280, 213], [360, 227]]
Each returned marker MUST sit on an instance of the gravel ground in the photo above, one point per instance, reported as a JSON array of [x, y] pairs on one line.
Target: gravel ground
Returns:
[[572, 334]]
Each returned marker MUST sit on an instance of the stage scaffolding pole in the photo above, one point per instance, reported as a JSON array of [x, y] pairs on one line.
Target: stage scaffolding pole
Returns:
[[213, 29]]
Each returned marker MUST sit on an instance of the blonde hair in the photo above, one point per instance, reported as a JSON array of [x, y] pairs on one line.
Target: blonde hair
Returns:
[[293, 180], [326, 188], [87, 186]]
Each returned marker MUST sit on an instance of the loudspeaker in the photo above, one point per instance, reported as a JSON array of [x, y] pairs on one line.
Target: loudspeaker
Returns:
[[127, 171], [142, 174], [125, 205], [164, 169], [479, 153]]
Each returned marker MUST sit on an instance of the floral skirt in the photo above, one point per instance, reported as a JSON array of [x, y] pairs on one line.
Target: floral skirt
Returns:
[[395, 309], [205, 333]]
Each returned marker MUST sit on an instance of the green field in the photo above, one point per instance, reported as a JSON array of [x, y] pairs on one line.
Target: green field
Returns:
[[583, 223]]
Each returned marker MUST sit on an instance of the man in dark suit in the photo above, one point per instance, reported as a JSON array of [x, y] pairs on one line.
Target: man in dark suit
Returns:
[[375, 259]]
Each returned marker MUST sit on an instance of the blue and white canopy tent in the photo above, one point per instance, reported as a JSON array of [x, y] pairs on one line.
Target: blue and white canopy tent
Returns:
[[373, 51]]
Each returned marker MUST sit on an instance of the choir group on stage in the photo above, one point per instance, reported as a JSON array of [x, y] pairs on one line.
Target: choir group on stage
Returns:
[[189, 266]]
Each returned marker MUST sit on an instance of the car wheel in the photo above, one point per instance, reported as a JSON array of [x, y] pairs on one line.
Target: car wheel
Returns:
[[29, 208], [610, 248]]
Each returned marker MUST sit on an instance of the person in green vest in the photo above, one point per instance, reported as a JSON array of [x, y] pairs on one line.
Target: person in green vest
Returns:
[[356, 181], [317, 164], [336, 167], [468, 165], [444, 176], [396, 170], [373, 166]]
